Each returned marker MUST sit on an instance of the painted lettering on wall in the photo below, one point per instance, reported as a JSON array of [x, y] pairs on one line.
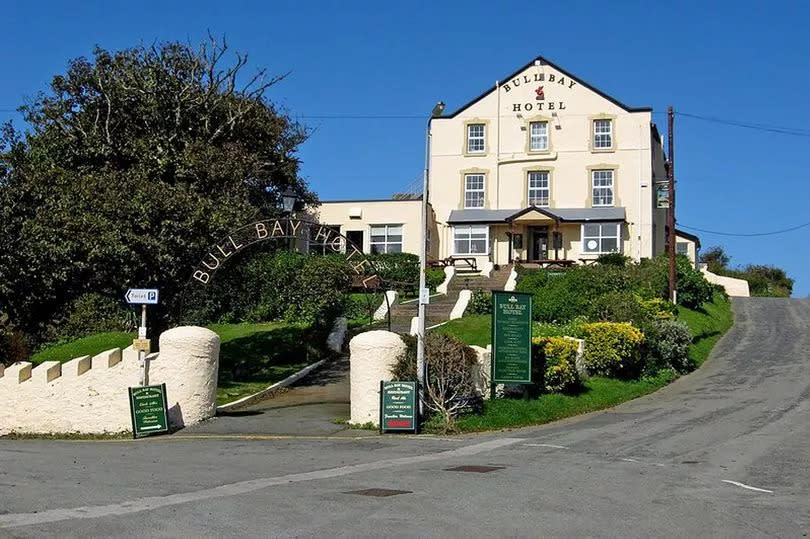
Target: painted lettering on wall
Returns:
[[548, 80]]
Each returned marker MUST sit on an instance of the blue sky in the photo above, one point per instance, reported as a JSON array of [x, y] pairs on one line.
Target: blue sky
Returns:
[[740, 61]]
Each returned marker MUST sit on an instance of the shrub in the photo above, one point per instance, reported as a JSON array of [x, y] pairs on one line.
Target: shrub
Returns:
[[620, 307], [560, 296], [93, 313], [613, 349], [397, 267], [659, 309], [670, 347], [555, 358], [297, 288], [13, 345], [613, 259], [651, 280], [572, 328], [433, 278], [480, 302], [451, 366]]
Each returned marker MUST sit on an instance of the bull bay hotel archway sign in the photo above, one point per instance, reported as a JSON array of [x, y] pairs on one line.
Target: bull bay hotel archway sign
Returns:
[[301, 235]]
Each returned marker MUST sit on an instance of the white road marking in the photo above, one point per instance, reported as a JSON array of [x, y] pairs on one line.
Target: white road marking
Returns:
[[235, 489], [749, 487], [630, 460], [546, 445]]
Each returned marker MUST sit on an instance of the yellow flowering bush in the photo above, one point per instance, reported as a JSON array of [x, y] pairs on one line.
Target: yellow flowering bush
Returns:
[[555, 359], [613, 349]]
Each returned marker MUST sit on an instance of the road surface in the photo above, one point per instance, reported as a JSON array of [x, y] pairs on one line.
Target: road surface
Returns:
[[722, 452]]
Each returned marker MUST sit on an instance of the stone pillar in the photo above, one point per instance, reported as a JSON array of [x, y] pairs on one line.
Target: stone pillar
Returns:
[[372, 355], [188, 363]]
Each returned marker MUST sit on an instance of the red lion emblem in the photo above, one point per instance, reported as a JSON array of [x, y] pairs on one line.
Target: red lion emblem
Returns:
[[540, 95]]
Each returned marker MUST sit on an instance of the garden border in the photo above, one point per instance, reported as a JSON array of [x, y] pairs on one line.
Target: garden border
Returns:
[[250, 399]]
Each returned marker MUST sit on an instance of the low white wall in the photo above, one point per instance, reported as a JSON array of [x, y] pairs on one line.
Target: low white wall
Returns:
[[511, 282], [382, 311], [486, 268], [89, 395], [734, 287], [449, 271], [372, 355], [461, 304]]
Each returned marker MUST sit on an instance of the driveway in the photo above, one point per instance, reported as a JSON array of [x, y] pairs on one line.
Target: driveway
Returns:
[[723, 452]]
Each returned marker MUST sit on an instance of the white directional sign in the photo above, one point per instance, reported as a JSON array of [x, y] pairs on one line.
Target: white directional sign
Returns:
[[142, 296]]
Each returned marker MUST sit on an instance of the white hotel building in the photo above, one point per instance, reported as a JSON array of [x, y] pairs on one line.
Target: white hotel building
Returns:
[[543, 166]]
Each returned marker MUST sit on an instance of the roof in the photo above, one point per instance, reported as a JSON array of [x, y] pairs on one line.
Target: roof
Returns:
[[688, 236], [362, 200], [544, 61], [576, 215]]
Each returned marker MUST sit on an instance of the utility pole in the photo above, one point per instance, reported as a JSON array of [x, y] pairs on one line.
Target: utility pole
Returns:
[[424, 296], [671, 207]]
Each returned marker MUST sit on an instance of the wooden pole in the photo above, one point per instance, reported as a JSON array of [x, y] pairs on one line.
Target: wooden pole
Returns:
[[671, 209]]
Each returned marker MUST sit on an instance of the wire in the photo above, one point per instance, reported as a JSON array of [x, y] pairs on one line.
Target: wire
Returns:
[[772, 233], [759, 127]]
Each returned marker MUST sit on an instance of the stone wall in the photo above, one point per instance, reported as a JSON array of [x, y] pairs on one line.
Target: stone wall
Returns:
[[89, 394]]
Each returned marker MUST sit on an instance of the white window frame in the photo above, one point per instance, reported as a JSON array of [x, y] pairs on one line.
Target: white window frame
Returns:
[[470, 230], [386, 241], [600, 200], [682, 248], [547, 188], [479, 192], [540, 138], [600, 237], [477, 139], [603, 138]]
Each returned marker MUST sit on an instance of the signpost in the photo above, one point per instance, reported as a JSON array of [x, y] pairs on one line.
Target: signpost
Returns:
[[148, 409], [398, 410], [142, 297], [511, 338]]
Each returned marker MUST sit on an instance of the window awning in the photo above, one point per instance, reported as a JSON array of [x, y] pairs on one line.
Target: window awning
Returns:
[[570, 215]]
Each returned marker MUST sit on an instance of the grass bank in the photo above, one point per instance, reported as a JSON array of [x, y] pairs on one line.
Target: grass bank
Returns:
[[252, 356], [708, 325]]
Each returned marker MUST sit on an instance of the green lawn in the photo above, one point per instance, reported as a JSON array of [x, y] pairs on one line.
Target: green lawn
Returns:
[[86, 346], [708, 326], [252, 356]]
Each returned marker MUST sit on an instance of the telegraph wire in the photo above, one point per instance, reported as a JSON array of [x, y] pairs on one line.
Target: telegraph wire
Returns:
[[772, 233], [759, 127]]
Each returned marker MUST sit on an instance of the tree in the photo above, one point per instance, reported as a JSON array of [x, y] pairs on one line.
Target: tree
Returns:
[[134, 163], [715, 258]]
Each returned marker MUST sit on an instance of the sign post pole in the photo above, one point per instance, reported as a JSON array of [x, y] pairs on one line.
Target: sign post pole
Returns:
[[142, 353]]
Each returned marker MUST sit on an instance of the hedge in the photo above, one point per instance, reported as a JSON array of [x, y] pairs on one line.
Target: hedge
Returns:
[[555, 362]]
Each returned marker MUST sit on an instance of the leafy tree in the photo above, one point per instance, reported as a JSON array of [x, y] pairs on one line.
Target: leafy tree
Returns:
[[715, 258], [135, 161]]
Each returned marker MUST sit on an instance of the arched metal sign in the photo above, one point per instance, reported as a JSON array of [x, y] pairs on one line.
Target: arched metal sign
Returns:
[[305, 233], [301, 235]]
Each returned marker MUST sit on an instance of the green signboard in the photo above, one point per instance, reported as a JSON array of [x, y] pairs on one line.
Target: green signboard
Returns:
[[148, 408], [511, 338], [398, 411]]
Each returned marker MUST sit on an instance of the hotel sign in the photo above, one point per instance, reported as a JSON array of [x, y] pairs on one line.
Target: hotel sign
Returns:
[[511, 338], [296, 230], [398, 410], [540, 83]]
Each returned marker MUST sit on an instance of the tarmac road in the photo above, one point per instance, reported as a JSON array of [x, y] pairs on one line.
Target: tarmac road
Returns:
[[722, 452]]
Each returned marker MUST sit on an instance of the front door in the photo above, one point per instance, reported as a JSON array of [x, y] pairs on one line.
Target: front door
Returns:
[[539, 243], [356, 237]]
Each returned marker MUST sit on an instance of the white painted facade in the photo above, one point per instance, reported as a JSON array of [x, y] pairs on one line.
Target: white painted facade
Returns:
[[542, 166]]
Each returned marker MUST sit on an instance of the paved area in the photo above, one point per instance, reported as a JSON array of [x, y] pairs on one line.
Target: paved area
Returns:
[[721, 452], [310, 407]]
